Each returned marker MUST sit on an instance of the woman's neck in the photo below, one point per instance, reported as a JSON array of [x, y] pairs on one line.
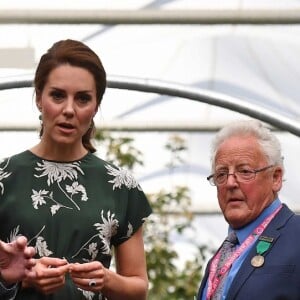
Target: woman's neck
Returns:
[[59, 152]]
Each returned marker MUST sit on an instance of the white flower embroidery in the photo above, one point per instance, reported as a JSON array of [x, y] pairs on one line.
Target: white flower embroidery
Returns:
[[56, 173], [75, 189], [38, 198], [107, 229], [122, 176], [129, 230], [42, 247], [92, 250], [55, 208], [90, 295], [87, 294], [14, 234], [3, 175]]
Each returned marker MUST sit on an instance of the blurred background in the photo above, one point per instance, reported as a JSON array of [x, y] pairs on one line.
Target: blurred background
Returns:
[[242, 60]]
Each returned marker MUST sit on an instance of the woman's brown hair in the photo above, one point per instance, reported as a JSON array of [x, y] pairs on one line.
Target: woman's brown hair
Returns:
[[74, 53]]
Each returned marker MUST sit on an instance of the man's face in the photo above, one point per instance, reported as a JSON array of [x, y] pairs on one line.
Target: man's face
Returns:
[[242, 202]]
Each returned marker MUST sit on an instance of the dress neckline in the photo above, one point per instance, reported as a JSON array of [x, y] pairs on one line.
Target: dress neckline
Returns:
[[58, 161]]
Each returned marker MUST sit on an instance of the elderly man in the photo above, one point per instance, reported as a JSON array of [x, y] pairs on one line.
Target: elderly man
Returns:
[[16, 262], [260, 258]]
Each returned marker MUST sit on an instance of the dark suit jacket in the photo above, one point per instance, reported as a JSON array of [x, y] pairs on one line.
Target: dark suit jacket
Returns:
[[279, 277]]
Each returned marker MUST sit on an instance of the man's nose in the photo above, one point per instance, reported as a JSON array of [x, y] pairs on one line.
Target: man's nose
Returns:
[[231, 179]]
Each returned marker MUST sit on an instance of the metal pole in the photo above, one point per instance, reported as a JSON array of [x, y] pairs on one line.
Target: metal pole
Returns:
[[151, 16], [178, 90]]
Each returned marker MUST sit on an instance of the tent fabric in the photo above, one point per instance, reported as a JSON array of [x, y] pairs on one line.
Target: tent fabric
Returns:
[[257, 64]]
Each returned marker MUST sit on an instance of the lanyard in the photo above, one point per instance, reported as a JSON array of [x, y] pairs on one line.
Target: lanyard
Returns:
[[214, 278]]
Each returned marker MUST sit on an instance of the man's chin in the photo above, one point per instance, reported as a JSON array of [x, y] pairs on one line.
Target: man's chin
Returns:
[[236, 218]]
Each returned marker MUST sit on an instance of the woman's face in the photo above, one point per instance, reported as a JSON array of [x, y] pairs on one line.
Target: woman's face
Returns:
[[68, 105]]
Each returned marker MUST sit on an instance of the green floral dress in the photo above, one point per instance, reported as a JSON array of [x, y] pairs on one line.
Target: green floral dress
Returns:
[[75, 210]]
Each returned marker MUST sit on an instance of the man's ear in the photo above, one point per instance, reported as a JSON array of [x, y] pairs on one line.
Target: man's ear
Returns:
[[277, 178]]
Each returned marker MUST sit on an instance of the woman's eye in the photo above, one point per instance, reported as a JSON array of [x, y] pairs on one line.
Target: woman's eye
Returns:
[[83, 98], [56, 95]]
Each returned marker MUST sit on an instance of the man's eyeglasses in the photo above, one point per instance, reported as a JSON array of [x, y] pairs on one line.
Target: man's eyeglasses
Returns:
[[241, 175]]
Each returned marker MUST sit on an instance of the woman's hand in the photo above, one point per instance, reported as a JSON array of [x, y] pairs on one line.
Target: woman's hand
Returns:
[[90, 276], [130, 280], [50, 275]]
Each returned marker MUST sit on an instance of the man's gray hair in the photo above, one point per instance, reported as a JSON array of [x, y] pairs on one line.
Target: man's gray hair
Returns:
[[267, 140]]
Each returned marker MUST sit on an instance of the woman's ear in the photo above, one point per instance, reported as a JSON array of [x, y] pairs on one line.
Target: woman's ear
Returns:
[[38, 101], [39, 107], [96, 110]]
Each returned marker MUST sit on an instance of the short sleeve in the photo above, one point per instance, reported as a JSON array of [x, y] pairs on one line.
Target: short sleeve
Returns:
[[135, 214]]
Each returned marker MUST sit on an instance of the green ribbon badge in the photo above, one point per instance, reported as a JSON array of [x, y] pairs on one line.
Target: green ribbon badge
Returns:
[[262, 247]]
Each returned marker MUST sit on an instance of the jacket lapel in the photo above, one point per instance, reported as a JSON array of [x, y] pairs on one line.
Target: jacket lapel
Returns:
[[246, 269]]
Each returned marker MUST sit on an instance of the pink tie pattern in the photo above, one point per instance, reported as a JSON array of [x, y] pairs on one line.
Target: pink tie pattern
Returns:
[[227, 250]]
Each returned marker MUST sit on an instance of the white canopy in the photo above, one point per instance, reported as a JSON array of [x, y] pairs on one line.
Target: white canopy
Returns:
[[258, 64]]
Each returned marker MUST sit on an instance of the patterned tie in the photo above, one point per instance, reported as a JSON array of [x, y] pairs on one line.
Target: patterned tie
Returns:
[[227, 249]]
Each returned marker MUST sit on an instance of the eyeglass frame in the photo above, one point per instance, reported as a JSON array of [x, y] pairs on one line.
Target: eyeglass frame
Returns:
[[254, 172]]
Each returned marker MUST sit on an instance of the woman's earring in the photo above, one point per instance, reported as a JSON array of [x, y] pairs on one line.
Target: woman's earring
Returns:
[[41, 119]]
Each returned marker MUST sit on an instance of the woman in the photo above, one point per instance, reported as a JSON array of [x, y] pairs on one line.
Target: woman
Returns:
[[73, 206]]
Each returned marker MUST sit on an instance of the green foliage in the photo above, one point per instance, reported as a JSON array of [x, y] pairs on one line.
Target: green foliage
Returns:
[[176, 146], [169, 276], [119, 150], [167, 279]]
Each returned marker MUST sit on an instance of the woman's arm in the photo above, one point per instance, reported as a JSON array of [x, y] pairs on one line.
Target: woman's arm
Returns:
[[131, 280]]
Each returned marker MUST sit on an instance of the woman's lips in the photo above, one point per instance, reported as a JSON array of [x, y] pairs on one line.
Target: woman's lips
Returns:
[[66, 127]]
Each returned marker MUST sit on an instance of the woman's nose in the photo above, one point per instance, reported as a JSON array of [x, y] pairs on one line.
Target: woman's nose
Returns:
[[69, 107]]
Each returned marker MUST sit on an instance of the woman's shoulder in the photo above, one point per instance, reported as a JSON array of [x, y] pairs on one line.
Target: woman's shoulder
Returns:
[[95, 160], [116, 175], [15, 158]]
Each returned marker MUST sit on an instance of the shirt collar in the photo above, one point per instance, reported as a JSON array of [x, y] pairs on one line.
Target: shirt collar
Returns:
[[244, 232]]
